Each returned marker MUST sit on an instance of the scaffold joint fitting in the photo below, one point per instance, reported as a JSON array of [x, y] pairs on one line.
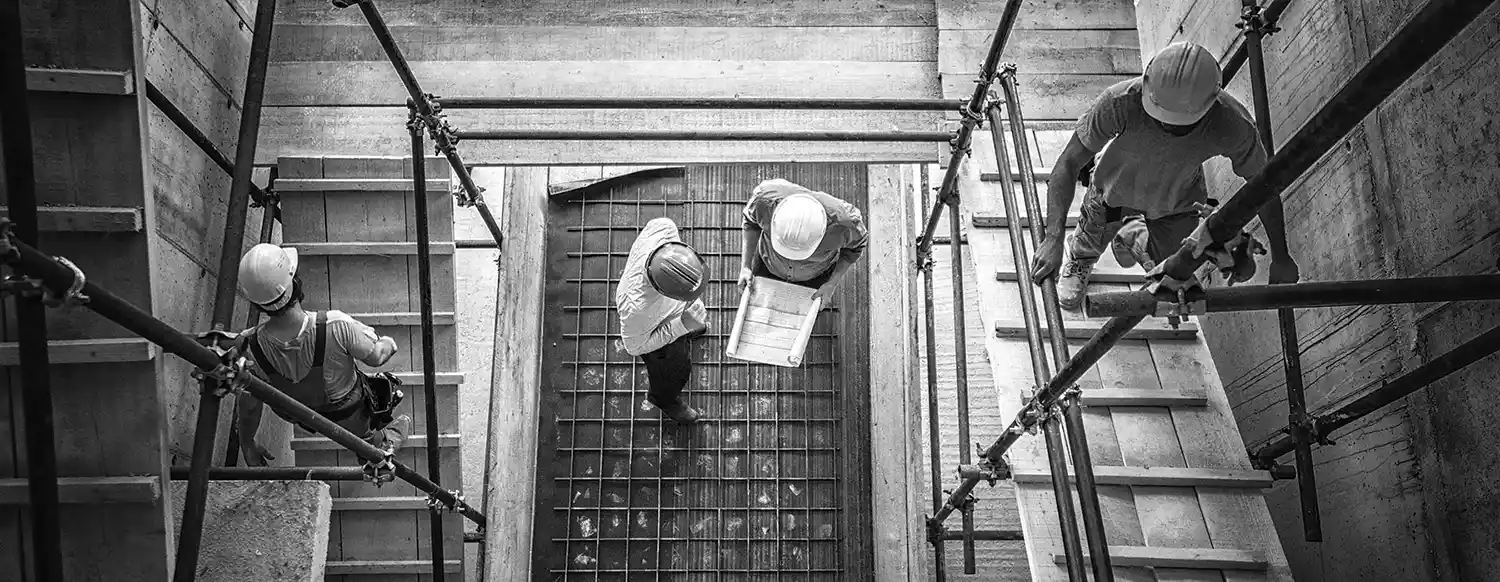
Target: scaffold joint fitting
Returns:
[[935, 531], [383, 471], [346, 3], [435, 503]]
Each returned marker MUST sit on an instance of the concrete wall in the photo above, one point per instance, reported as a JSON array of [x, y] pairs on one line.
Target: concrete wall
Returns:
[[262, 530], [197, 52], [1407, 493]]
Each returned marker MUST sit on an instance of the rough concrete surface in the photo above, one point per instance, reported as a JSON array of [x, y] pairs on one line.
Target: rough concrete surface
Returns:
[[262, 530]]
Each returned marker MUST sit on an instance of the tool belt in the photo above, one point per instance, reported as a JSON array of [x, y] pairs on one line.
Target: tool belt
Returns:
[[377, 397]]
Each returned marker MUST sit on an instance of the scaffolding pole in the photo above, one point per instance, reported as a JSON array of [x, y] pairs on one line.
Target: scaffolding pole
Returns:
[[973, 114], [31, 319], [706, 135], [961, 372], [186, 126], [699, 103], [269, 217], [437, 126], [429, 359], [59, 278], [1257, 23], [1307, 295], [1270, 13], [190, 538], [180, 473], [934, 429], [1323, 425]]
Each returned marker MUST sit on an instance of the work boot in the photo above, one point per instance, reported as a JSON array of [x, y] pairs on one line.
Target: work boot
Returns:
[[1129, 245], [682, 413], [1073, 280], [396, 431]]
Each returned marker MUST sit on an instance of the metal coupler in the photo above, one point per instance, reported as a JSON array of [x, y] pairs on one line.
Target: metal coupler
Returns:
[[346, 3], [986, 470], [435, 504], [381, 472]]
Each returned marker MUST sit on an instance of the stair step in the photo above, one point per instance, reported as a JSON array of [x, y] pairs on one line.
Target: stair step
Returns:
[[356, 185], [1100, 275], [86, 219], [1160, 477], [92, 82], [86, 351], [993, 220], [403, 318], [378, 503], [1041, 175], [1086, 328], [87, 490], [1189, 558], [442, 378], [351, 567], [365, 248], [417, 441], [1143, 397]]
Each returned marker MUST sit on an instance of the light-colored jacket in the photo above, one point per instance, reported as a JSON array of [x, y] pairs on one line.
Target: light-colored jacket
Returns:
[[648, 319]]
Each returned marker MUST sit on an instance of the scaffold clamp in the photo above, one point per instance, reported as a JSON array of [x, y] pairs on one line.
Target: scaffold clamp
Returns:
[[936, 531], [382, 471], [226, 378], [435, 503], [987, 470], [23, 286], [346, 3]]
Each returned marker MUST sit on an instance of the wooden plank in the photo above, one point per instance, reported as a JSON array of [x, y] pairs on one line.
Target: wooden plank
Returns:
[[371, 83], [985, 15], [1042, 96], [86, 219], [87, 490], [415, 441], [388, 567], [443, 378], [1127, 397], [86, 351], [630, 13], [460, 41], [404, 318], [360, 185], [356, 249], [80, 81], [1085, 329], [1071, 51], [1101, 275], [1161, 476], [196, 56], [1194, 558], [1042, 175], [379, 503], [999, 220]]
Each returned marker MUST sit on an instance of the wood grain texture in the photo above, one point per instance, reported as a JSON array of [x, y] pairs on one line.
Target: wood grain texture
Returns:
[[1085, 329], [88, 490], [86, 219], [1079, 52], [1195, 558], [362, 185], [1075, 14], [357, 249], [718, 13], [79, 81], [333, 42], [87, 351]]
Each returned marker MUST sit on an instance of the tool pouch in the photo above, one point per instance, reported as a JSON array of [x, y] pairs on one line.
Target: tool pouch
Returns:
[[384, 397]]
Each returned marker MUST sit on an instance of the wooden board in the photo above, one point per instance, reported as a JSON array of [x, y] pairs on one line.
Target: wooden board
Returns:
[[630, 13], [1084, 329], [774, 320], [1175, 558], [1163, 476], [365, 185], [1067, 14], [89, 351], [88, 490], [1042, 96], [1069, 51], [79, 81], [504, 42], [86, 219]]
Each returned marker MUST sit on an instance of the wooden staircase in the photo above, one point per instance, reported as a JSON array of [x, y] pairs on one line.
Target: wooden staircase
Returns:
[[1179, 498], [352, 221]]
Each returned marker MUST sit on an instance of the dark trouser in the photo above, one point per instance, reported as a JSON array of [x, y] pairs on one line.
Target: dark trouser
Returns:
[[1099, 223], [668, 370], [814, 283]]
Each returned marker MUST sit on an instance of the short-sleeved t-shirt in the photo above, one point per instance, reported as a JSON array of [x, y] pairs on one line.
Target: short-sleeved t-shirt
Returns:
[[1147, 169], [845, 236], [348, 341]]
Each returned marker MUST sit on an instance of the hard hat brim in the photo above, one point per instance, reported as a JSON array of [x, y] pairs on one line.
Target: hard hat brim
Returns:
[[789, 252], [291, 258], [1170, 117]]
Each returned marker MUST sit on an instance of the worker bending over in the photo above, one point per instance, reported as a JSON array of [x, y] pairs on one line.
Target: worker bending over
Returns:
[[796, 235], [1147, 187], [657, 299], [311, 356]]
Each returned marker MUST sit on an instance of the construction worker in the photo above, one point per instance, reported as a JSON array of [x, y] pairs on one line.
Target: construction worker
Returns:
[[1154, 132], [313, 357], [796, 235], [660, 312]]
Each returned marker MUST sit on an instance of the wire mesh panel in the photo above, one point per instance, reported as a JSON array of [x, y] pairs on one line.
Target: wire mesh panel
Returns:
[[773, 484]]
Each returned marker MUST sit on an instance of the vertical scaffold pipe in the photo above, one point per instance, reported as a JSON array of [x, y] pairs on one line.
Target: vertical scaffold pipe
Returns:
[[961, 369], [429, 359], [1083, 464], [196, 497], [934, 430], [1041, 370]]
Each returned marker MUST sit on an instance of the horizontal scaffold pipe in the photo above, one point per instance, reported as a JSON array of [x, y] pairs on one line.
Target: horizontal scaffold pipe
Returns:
[[59, 278], [180, 473], [725, 135], [699, 103], [1307, 295]]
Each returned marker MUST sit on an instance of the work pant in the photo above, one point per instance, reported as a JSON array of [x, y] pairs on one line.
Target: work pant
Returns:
[[1099, 223], [667, 371], [386, 437]]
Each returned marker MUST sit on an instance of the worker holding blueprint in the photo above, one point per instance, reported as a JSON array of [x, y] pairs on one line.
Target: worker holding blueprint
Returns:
[[796, 235]]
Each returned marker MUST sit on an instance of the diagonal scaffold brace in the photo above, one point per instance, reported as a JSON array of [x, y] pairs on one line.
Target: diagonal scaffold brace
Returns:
[[426, 106], [65, 282]]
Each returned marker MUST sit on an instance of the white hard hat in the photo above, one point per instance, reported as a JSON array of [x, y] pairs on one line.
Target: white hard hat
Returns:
[[1181, 84], [266, 275], [797, 226]]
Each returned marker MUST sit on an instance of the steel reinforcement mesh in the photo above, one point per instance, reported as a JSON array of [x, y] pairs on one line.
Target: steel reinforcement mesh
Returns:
[[773, 484]]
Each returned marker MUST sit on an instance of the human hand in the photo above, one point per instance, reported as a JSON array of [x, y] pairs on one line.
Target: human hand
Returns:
[[693, 321], [1284, 270], [256, 454], [825, 292], [1049, 256], [746, 278]]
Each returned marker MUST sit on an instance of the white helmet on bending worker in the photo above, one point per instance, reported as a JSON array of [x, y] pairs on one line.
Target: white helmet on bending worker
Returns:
[[268, 277], [797, 226], [1181, 84]]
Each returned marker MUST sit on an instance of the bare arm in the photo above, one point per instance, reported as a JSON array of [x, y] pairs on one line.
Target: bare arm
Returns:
[[750, 253], [1060, 187], [248, 421]]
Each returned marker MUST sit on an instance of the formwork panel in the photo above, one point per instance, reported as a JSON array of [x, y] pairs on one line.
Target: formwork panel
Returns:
[[771, 485]]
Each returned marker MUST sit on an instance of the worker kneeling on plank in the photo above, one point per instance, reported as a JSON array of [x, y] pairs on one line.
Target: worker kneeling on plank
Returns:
[[657, 299], [312, 358], [1147, 192], [796, 235]]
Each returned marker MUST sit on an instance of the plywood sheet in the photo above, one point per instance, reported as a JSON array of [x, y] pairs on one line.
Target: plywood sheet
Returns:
[[773, 323], [1068, 14], [1085, 52], [758, 13], [1042, 96]]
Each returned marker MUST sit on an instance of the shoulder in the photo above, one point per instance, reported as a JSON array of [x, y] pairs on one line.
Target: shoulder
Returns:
[[1236, 118], [336, 316], [841, 211], [1122, 93], [660, 225]]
